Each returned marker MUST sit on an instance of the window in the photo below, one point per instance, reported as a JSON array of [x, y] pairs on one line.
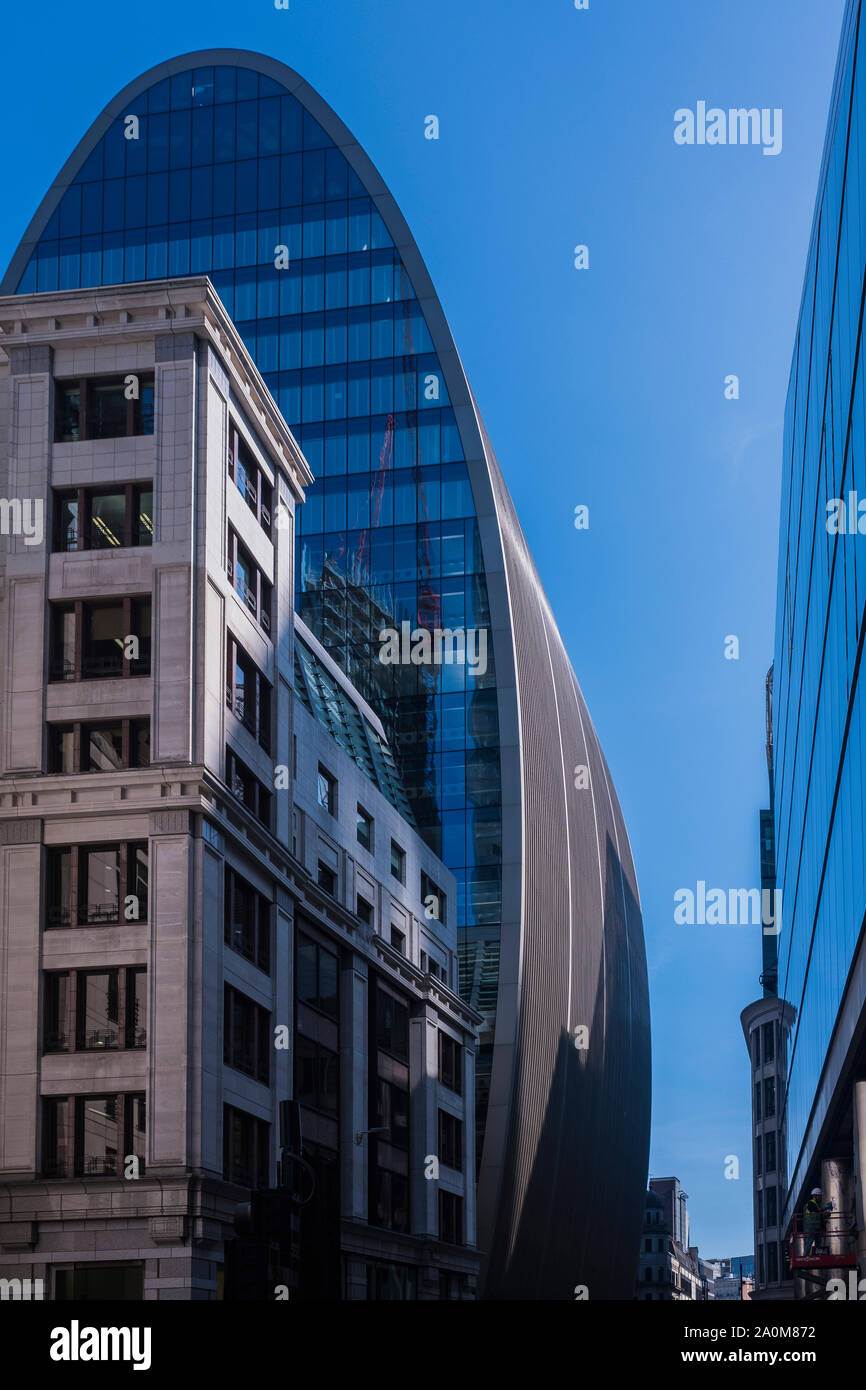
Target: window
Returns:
[[392, 1024], [392, 1112], [364, 910], [118, 1282], [88, 518], [450, 1063], [250, 481], [316, 975], [92, 1136], [757, 1047], [647, 1245], [326, 878], [759, 1151], [251, 586], [769, 1097], [432, 899], [772, 1206], [390, 1205], [108, 407], [398, 862], [93, 885], [450, 1141], [92, 641], [103, 747], [772, 1263], [760, 1264], [770, 1152], [246, 1148], [317, 1075], [327, 791], [769, 1033], [248, 693], [398, 940], [364, 828], [247, 788], [95, 1010], [450, 1217], [760, 1209], [246, 1035], [757, 1102], [247, 921], [431, 966]]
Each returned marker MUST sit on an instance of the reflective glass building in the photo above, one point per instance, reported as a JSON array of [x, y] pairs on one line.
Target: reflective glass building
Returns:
[[229, 164], [820, 691]]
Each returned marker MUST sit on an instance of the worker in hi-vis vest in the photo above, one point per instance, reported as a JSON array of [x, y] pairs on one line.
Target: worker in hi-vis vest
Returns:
[[813, 1220]]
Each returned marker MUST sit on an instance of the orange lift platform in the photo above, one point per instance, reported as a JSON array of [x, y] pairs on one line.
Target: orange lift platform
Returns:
[[833, 1247]]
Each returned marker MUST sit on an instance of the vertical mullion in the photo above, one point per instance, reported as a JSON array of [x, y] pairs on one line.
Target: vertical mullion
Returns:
[[124, 880], [82, 409], [126, 667], [74, 905], [83, 519], [125, 740], [79, 640], [127, 521], [77, 753]]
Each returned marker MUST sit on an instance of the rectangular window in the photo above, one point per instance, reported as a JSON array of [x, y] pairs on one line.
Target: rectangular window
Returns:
[[398, 940], [770, 1152], [248, 693], [94, 885], [250, 481], [109, 407], [317, 1075], [760, 1210], [769, 1097], [398, 862], [103, 747], [249, 583], [757, 1102], [364, 910], [450, 1141], [92, 1136], [450, 1218], [56, 1034], [247, 788], [759, 1152], [769, 1039], [326, 878], [772, 1206], [327, 791], [392, 1112], [103, 518], [246, 1149], [246, 1035], [96, 641], [316, 975], [450, 1063], [364, 828], [390, 1205], [432, 900], [772, 1263], [392, 1024], [247, 921]]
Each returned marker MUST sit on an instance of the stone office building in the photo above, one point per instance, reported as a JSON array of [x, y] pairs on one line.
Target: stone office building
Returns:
[[212, 896]]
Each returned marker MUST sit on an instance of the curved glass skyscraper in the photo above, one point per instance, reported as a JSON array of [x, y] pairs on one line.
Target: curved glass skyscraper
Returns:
[[228, 164]]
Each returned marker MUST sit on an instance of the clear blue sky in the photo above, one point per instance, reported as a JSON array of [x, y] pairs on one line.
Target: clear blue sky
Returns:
[[602, 387]]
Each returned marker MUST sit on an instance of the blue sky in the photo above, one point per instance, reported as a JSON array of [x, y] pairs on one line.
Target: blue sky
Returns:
[[603, 387]]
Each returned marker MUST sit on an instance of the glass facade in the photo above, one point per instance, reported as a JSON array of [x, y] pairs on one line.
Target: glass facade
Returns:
[[220, 171], [820, 695]]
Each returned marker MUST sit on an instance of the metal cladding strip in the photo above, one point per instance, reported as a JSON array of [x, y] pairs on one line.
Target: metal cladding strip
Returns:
[[578, 1137]]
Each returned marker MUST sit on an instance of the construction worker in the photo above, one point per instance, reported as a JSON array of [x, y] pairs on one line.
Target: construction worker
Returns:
[[813, 1220]]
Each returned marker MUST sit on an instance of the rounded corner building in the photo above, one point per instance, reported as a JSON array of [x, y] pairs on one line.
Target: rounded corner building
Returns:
[[240, 171]]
